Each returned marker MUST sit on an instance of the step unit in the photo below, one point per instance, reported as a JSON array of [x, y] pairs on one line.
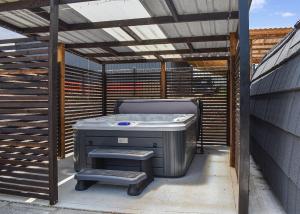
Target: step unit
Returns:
[[121, 154], [136, 181]]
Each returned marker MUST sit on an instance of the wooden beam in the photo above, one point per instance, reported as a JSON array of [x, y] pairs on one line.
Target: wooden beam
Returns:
[[165, 52], [185, 59], [232, 98], [149, 42], [62, 66], [192, 50], [211, 63], [163, 80], [53, 102], [131, 33], [141, 21], [111, 51]]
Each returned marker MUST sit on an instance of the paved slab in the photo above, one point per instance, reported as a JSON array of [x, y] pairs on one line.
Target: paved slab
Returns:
[[208, 188], [262, 200], [21, 208]]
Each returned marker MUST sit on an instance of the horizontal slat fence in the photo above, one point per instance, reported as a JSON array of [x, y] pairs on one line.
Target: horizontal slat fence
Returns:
[[24, 146], [210, 86], [131, 83], [83, 99]]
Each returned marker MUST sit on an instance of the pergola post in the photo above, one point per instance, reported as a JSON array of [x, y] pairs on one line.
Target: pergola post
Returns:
[[163, 80], [53, 101], [62, 67], [104, 95], [232, 99], [244, 69]]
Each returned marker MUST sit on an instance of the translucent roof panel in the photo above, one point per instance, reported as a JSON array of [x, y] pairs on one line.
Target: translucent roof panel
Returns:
[[169, 56], [148, 32], [149, 57], [97, 11], [139, 48], [104, 10], [118, 33]]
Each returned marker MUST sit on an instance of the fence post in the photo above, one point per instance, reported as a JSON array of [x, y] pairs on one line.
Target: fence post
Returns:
[[233, 46], [53, 101], [104, 88], [62, 67], [244, 69], [163, 80]]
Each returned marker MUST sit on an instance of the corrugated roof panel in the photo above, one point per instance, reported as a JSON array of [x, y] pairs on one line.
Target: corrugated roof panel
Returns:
[[23, 19], [83, 36], [122, 49], [159, 7], [156, 8], [205, 28], [181, 46], [204, 6], [69, 15], [116, 10], [119, 58], [90, 50]]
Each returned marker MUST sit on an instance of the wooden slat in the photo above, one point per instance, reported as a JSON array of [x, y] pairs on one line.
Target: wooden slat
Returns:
[[210, 86], [82, 98], [24, 147]]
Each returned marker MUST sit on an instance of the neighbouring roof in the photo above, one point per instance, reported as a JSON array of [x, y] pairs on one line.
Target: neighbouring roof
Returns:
[[282, 52]]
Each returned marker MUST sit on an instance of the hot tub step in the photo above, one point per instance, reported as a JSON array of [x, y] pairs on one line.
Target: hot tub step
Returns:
[[111, 176], [121, 154], [137, 181]]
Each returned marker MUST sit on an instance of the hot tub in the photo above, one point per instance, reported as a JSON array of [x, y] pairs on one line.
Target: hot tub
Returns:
[[172, 137]]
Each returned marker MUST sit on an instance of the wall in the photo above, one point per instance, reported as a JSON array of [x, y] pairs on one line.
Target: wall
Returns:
[[275, 121]]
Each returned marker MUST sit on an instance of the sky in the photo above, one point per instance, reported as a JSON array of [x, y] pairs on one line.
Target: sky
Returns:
[[263, 14], [274, 13]]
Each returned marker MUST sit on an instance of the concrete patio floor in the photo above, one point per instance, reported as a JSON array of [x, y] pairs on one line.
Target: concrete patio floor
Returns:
[[209, 187]]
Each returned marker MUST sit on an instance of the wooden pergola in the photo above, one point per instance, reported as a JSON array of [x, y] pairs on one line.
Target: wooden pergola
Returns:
[[222, 33]]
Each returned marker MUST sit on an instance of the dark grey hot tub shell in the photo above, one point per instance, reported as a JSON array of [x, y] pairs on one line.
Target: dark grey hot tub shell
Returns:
[[173, 150]]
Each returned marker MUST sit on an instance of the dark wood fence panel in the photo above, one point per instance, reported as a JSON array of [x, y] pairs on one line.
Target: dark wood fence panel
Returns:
[[134, 83], [210, 86], [83, 99], [24, 144]]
